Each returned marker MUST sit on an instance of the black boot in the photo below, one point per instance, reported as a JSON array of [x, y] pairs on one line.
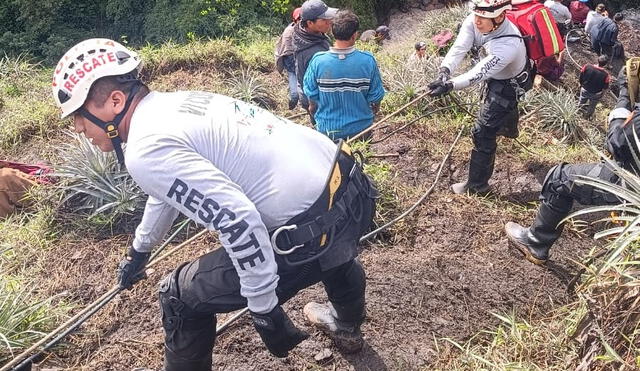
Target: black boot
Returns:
[[480, 171], [534, 242], [340, 321], [173, 362]]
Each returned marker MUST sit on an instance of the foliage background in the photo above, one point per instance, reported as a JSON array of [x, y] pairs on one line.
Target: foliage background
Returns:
[[46, 29]]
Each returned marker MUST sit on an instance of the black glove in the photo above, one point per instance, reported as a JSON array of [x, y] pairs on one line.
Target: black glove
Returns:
[[439, 88], [131, 268], [277, 331]]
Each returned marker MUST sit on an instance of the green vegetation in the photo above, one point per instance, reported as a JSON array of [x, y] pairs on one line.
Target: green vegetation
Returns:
[[24, 318], [248, 86], [47, 30], [93, 183], [94, 187]]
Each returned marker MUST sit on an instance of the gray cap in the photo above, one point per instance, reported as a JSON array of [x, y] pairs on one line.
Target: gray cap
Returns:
[[317, 9]]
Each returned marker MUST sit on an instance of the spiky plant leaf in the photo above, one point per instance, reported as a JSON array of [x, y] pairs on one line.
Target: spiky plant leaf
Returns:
[[94, 183], [559, 111], [247, 85]]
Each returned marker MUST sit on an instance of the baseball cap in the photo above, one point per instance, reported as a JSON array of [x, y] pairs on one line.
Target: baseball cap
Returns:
[[317, 9]]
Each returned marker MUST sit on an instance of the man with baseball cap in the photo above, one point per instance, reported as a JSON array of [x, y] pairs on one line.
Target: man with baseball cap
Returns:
[[309, 37]]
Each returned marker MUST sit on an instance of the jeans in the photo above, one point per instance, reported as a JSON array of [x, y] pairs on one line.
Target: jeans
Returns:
[[588, 101], [290, 66]]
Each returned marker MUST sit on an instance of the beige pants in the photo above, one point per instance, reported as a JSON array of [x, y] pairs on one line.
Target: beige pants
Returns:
[[13, 186]]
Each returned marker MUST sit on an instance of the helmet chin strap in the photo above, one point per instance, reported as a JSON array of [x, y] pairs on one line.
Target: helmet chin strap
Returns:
[[496, 24], [111, 127]]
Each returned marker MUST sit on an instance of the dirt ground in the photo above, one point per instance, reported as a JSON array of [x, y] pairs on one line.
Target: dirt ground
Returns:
[[447, 269], [442, 273]]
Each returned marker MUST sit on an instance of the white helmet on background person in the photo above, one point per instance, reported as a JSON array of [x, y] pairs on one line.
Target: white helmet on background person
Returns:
[[85, 63], [489, 8]]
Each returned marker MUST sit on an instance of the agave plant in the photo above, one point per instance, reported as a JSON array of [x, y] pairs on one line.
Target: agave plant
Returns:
[[611, 289], [23, 319], [20, 66], [560, 112], [93, 182], [409, 78], [250, 87]]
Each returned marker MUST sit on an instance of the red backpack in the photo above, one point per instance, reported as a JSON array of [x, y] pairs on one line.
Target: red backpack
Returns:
[[538, 28]]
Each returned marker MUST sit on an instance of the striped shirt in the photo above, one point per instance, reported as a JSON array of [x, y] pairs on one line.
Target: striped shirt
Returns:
[[343, 83]]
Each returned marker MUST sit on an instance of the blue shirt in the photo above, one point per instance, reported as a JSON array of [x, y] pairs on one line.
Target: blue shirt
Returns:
[[343, 83]]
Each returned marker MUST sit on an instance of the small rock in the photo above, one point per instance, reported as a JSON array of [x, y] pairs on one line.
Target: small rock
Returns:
[[323, 356]]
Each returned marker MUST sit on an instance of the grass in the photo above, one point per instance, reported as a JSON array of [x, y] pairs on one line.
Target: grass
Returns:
[[514, 344], [24, 318], [221, 54], [101, 192], [26, 107]]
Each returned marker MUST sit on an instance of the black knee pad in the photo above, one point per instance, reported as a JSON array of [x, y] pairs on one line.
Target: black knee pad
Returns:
[[484, 139], [171, 306], [556, 190]]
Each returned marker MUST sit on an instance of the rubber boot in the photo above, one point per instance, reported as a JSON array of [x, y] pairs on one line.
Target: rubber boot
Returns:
[[534, 242], [340, 322], [172, 362], [480, 171]]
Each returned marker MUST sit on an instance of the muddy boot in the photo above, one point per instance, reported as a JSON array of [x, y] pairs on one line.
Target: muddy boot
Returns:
[[345, 335], [526, 243], [480, 170], [534, 242]]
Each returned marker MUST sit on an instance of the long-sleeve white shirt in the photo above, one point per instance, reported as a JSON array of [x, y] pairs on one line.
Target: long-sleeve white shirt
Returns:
[[560, 12], [506, 56], [230, 166]]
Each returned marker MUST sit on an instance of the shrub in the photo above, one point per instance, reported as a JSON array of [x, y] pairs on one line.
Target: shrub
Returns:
[[559, 111], [249, 86], [24, 319], [94, 183]]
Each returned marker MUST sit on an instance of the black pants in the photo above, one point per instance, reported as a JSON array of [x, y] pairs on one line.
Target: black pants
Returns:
[[560, 190], [191, 296], [210, 285], [499, 111]]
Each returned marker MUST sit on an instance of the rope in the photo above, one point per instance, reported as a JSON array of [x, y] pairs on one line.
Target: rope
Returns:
[[387, 136], [80, 317], [71, 324], [386, 118]]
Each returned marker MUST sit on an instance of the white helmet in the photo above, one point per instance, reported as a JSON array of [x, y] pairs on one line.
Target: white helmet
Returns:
[[85, 63], [489, 8]]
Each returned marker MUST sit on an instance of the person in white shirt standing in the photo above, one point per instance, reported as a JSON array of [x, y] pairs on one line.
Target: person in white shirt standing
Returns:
[[506, 73], [288, 204], [561, 14]]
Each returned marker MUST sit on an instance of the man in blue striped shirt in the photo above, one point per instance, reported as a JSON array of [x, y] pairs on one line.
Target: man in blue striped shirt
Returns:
[[343, 84]]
